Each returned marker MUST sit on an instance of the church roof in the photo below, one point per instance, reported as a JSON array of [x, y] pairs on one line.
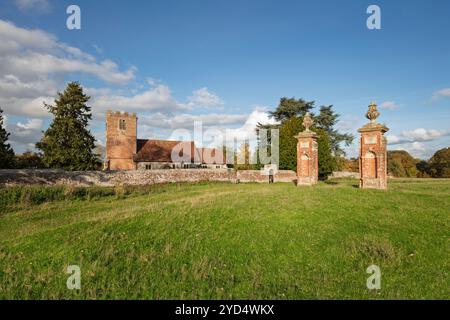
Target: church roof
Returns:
[[161, 151]]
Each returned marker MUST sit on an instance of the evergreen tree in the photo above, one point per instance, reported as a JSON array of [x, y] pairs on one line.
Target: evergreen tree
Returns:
[[327, 163], [6, 152], [68, 143], [291, 107], [326, 120]]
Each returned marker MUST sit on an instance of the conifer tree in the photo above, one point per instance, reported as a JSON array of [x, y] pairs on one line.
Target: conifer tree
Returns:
[[6, 152], [68, 143]]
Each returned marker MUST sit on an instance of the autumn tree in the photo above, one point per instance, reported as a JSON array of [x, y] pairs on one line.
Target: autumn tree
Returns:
[[439, 164], [327, 120], [401, 164]]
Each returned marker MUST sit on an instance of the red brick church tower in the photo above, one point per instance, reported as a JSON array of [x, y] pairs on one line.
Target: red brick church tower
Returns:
[[373, 155], [307, 154], [121, 140]]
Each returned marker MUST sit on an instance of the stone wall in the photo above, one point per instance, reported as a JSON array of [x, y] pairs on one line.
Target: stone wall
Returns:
[[137, 177], [345, 174]]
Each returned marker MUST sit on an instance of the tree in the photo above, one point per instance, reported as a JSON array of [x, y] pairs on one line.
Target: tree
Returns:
[[6, 151], [68, 143], [289, 114], [401, 164], [343, 164], [291, 107], [423, 169], [29, 160], [327, 163], [439, 164], [326, 120]]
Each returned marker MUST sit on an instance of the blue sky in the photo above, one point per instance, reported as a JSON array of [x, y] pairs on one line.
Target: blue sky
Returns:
[[228, 62]]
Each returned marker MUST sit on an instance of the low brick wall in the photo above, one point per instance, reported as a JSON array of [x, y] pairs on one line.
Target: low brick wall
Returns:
[[136, 177]]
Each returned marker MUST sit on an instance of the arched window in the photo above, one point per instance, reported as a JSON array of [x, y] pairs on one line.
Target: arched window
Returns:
[[304, 165], [370, 165]]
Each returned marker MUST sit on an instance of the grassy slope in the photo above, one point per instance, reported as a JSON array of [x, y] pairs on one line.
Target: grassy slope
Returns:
[[234, 241]]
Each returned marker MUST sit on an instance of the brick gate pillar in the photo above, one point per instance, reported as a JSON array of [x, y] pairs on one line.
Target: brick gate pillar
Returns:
[[372, 155], [307, 158]]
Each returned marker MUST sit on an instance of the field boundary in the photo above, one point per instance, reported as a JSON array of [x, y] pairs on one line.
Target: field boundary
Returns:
[[136, 177]]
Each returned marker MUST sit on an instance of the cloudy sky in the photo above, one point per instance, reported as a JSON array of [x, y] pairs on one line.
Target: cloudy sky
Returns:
[[226, 63]]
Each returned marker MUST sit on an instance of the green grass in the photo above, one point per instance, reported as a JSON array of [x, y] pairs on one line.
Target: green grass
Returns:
[[225, 241]]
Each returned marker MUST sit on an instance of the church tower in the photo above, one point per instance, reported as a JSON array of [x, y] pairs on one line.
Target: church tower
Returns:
[[121, 140]]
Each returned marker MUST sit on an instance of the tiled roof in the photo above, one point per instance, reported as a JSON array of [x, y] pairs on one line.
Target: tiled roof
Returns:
[[161, 151]]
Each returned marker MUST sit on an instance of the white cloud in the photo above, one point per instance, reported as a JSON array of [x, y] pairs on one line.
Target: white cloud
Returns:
[[443, 93], [204, 99], [33, 64], [388, 105], [11, 86], [230, 127], [40, 6], [32, 124], [421, 143], [417, 149], [247, 130], [25, 135], [422, 134], [417, 135], [157, 98]]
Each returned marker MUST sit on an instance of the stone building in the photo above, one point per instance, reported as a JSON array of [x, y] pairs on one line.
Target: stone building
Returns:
[[124, 151], [373, 154], [307, 154]]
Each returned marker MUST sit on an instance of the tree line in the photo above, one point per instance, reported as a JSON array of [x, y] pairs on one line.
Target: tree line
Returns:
[[403, 165]]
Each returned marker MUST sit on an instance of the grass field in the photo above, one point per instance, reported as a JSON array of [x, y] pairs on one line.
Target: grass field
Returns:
[[226, 241]]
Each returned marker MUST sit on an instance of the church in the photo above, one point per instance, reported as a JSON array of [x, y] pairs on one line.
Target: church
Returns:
[[124, 151]]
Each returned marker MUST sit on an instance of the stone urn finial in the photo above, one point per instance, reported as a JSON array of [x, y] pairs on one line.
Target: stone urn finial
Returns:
[[373, 113], [307, 122]]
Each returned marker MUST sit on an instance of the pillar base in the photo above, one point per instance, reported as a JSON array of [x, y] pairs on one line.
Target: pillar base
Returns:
[[306, 181], [368, 183]]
